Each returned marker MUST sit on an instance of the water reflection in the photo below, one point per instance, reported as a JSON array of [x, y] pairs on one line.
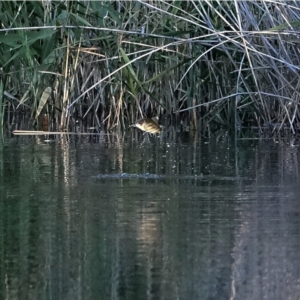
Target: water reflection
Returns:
[[221, 223]]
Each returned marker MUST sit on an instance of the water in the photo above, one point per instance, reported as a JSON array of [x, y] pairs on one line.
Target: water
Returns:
[[221, 221]]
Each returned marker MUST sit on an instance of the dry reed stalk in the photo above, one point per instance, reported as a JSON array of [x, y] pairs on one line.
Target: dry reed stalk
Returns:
[[239, 60], [33, 132]]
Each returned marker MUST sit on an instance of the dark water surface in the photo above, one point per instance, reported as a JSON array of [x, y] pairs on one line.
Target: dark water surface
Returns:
[[221, 221]]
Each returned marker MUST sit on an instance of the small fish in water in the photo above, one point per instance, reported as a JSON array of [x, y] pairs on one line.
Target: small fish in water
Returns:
[[148, 125]]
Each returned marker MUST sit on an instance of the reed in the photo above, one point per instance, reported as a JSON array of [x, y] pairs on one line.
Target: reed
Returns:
[[105, 64]]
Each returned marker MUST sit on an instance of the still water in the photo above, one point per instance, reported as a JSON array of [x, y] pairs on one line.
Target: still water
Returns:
[[138, 217]]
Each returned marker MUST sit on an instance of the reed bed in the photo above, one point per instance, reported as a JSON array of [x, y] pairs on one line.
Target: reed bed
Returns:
[[104, 64]]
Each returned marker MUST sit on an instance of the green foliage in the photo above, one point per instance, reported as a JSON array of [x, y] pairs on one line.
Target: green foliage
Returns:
[[211, 63]]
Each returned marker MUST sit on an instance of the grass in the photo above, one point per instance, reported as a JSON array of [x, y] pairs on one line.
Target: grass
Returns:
[[105, 64]]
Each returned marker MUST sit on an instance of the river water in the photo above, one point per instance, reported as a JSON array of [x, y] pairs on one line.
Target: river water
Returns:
[[134, 216]]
